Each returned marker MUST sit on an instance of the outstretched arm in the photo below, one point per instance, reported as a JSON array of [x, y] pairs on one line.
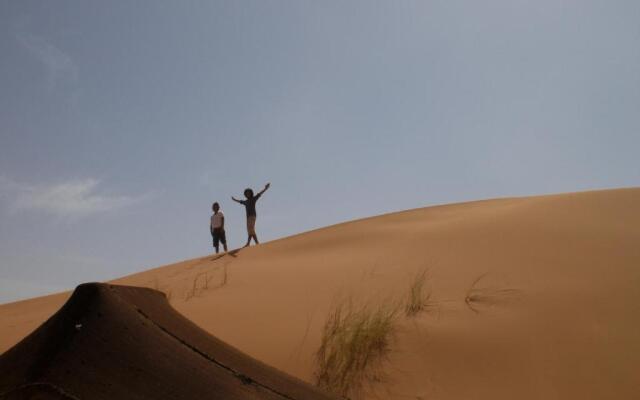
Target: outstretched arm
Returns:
[[236, 200], [267, 186]]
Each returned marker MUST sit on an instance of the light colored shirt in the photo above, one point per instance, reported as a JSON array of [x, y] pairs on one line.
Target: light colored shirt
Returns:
[[217, 219]]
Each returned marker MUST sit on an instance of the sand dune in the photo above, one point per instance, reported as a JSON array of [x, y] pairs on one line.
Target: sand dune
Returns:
[[120, 342], [530, 298]]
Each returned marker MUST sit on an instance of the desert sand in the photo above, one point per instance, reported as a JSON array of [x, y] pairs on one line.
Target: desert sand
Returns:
[[528, 298]]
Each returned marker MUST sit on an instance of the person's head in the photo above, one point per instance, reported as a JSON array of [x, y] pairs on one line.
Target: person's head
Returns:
[[248, 193], [215, 207]]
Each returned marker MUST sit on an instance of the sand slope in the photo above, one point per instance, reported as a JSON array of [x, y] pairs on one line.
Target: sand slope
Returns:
[[120, 342], [533, 298]]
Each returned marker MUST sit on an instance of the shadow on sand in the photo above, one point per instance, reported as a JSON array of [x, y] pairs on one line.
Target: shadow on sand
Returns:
[[232, 253]]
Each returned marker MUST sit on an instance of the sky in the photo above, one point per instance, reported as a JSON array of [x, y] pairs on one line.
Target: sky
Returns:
[[121, 122]]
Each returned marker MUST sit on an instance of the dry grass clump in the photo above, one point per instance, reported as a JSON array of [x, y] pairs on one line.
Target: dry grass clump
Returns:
[[417, 299], [355, 341]]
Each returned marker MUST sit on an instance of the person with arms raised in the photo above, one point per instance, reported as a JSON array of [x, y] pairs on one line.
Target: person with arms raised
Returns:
[[249, 204]]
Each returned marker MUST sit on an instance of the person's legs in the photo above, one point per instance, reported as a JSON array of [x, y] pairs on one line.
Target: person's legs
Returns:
[[251, 226], [216, 241], [251, 229], [223, 239]]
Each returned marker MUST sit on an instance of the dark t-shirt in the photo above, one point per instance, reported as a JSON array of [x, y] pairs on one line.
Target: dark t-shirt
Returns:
[[250, 205]]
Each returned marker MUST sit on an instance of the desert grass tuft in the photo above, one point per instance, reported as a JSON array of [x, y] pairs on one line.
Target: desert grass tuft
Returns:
[[355, 342], [418, 299]]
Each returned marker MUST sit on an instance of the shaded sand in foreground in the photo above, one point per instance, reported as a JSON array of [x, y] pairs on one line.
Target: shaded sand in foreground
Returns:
[[123, 342], [532, 297]]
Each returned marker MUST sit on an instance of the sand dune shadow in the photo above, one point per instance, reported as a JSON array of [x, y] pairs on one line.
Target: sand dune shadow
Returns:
[[231, 253]]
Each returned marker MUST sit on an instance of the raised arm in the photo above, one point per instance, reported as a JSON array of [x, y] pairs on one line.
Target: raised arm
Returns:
[[236, 200], [267, 186]]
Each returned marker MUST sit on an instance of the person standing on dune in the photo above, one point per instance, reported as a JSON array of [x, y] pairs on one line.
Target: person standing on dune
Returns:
[[249, 204], [217, 227]]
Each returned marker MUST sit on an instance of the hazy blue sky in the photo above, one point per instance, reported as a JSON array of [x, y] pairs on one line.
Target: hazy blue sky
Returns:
[[120, 122]]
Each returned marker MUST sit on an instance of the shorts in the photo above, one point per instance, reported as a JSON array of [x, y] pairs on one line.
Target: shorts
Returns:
[[218, 236], [251, 224]]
